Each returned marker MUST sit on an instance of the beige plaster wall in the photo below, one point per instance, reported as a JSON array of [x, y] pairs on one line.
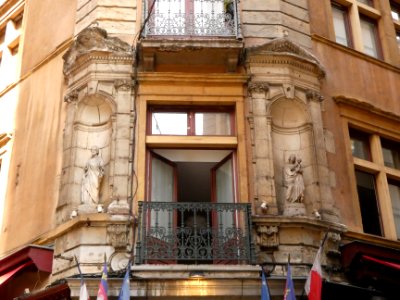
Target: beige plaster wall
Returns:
[[48, 24], [36, 158]]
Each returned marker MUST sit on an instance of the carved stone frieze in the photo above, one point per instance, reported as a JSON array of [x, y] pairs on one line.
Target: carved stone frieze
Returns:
[[267, 236], [314, 96], [258, 87], [93, 39], [71, 97], [117, 235], [123, 84]]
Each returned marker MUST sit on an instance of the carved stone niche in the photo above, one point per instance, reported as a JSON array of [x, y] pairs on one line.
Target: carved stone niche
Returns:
[[267, 236]]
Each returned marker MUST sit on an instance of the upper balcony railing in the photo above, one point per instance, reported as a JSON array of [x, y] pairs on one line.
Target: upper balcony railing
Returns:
[[194, 233], [200, 18]]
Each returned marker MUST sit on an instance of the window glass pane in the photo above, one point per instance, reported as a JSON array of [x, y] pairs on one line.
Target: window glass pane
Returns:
[[169, 123], [162, 190], [368, 203], [211, 123], [360, 144], [339, 24], [395, 10], [394, 190], [224, 193], [391, 153], [368, 30]]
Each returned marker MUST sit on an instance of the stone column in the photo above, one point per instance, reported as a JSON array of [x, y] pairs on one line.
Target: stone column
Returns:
[[326, 206], [262, 156], [123, 158]]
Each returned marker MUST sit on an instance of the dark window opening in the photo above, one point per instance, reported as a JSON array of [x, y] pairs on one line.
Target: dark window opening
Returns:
[[368, 203], [360, 144]]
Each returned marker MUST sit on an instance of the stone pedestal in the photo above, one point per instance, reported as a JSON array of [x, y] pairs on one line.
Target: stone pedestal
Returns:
[[87, 209], [119, 210], [294, 209]]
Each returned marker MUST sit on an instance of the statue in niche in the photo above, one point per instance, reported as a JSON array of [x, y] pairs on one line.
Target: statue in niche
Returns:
[[93, 174], [294, 182]]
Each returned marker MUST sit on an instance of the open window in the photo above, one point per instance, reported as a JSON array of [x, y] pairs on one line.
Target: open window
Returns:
[[192, 218]]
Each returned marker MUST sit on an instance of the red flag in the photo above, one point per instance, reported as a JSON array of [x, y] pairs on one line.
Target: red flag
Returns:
[[313, 286]]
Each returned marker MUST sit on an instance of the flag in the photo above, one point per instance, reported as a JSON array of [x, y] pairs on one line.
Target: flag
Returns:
[[264, 287], [103, 286], [313, 285], [289, 287], [83, 293], [124, 292]]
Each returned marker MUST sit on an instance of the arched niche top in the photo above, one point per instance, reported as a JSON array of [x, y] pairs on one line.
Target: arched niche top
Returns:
[[94, 111], [287, 113]]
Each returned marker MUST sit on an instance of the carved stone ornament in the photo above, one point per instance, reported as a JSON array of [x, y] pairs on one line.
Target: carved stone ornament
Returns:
[[93, 39], [267, 236], [284, 47], [123, 84], [117, 235], [71, 97], [332, 244], [314, 96], [258, 87]]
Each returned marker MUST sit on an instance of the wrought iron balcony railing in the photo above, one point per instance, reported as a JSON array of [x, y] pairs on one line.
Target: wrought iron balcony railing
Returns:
[[207, 18], [194, 233]]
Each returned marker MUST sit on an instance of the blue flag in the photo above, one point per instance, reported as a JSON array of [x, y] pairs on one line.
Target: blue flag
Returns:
[[289, 287], [264, 287], [124, 292], [103, 286]]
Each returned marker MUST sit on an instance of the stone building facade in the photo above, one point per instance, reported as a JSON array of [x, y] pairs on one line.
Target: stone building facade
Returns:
[[210, 137]]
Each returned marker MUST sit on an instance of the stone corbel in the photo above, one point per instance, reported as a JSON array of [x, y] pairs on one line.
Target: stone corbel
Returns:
[[123, 84], [314, 96], [232, 62], [117, 235], [267, 236], [71, 97], [149, 61], [332, 244], [258, 87]]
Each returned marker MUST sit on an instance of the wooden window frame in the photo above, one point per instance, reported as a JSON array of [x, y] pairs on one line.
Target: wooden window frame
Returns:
[[382, 174], [379, 52], [347, 23], [191, 111]]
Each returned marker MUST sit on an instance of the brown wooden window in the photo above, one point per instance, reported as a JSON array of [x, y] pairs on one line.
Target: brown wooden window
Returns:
[[191, 121], [395, 10], [370, 37], [341, 25], [367, 2], [377, 172]]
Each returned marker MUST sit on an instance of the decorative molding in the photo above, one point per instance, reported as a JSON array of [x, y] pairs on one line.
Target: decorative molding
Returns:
[[71, 97], [267, 236], [117, 235], [93, 39], [258, 87], [314, 96], [123, 84], [284, 51]]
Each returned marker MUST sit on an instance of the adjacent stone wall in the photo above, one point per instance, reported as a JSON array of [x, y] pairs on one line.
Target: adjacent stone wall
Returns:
[[265, 20], [118, 17]]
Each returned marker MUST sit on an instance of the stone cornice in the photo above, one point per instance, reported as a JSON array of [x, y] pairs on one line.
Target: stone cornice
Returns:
[[340, 99], [283, 51], [99, 57]]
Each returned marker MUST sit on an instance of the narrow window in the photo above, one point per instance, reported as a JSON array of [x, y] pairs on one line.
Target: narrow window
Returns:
[[370, 37], [391, 154], [360, 144], [368, 203], [395, 10], [341, 25], [394, 190]]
